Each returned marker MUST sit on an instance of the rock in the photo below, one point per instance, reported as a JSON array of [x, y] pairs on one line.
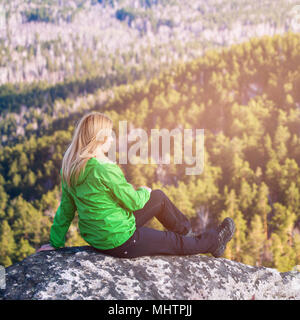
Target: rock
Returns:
[[83, 273]]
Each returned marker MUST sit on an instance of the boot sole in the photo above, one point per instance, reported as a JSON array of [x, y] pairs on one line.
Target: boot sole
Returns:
[[231, 225], [227, 222]]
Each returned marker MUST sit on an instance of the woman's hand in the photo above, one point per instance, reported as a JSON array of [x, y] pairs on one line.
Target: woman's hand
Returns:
[[45, 247], [149, 189]]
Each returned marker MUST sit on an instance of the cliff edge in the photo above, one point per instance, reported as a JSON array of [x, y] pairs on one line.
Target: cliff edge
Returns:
[[83, 273]]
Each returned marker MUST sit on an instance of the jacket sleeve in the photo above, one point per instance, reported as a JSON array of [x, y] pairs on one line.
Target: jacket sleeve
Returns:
[[112, 176], [62, 219]]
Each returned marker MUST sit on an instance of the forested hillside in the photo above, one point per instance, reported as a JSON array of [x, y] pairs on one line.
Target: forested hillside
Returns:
[[55, 55], [247, 99], [55, 40]]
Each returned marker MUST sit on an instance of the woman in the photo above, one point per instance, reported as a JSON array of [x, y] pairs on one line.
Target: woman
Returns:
[[112, 213]]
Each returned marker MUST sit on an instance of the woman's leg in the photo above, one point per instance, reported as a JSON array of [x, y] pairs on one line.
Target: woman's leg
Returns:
[[149, 242], [161, 207]]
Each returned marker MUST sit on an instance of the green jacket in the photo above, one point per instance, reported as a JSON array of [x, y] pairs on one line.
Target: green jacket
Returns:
[[104, 201]]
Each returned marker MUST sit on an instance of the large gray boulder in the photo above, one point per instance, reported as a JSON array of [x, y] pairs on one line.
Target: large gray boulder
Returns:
[[83, 273]]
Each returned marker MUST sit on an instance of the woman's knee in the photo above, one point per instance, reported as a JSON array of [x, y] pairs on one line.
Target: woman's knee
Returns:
[[158, 193]]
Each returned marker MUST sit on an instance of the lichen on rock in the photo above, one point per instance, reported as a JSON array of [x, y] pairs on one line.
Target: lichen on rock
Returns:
[[83, 273]]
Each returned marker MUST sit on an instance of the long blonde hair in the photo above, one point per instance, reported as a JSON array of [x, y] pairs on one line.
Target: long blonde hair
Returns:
[[91, 131]]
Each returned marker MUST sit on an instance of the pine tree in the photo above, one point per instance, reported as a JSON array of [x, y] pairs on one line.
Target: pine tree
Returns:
[[7, 244], [235, 247], [255, 242], [281, 138], [283, 222], [262, 207], [24, 249], [3, 198], [247, 197], [296, 247], [284, 257], [28, 221], [292, 198]]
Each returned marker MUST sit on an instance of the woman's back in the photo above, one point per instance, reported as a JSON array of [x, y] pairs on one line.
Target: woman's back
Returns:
[[104, 201]]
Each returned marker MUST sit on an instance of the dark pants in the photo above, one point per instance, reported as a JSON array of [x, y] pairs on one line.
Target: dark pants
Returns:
[[148, 242]]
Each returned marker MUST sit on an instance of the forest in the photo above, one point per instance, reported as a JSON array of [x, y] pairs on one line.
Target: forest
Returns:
[[247, 99], [50, 40]]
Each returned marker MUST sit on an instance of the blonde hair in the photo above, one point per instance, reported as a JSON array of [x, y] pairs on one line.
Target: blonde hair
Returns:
[[91, 131]]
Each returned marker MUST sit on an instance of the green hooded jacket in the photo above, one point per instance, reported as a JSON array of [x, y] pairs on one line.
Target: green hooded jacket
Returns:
[[104, 201]]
